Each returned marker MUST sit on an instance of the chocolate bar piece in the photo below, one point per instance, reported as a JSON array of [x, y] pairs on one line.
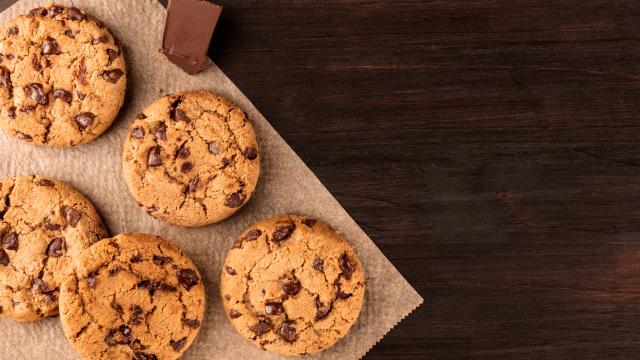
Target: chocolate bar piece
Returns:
[[187, 33]]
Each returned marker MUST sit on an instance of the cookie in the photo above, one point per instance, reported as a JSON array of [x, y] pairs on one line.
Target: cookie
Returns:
[[62, 77], [191, 159], [292, 285], [134, 296], [44, 226]]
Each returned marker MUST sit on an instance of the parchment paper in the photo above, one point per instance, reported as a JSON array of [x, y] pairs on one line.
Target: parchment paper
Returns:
[[286, 185]]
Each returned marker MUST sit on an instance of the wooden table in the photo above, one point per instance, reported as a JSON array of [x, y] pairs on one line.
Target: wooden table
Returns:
[[491, 149]]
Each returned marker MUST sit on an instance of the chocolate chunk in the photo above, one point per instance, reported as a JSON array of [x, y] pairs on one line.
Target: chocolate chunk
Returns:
[[75, 14], [234, 314], [145, 284], [24, 137], [119, 336], [44, 182], [212, 147], [346, 266], [283, 231], [100, 40], [253, 235], [193, 20], [251, 153], [36, 64], [321, 310], [161, 131], [115, 270], [180, 115], [10, 241], [309, 222], [12, 112], [234, 200], [55, 248], [143, 356], [186, 167], [154, 158], [50, 47], [4, 258], [55, 10], [194, 324], [192, 185], [92, 279], [36, 92], [112, 54], [72, 216], [161, 260], [136, 345], [178, 344], [62, 95], [70, 33], [135, 259], [40, 286], [182, 152], [84, 120], [13, 31], [39, 11], [137, 132], [287, 331], [113, 76], [230, 270], [318, 264], [262, 327], [5, 78], [273, 308], [187, 277], [290, 286]]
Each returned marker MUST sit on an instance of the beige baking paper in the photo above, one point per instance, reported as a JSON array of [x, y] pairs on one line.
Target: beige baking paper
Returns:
[[286, 185]]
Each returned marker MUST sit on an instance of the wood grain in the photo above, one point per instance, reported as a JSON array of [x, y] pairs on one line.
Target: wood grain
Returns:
[[490, 148]]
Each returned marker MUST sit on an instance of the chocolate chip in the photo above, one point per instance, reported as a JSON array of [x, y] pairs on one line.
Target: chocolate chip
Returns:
[[251, 153], [234, 314], [309, 222], [283, 231], [161, 260], [72, 216], [40, 286], [10, 241], [35, 63], [212, 147], [115, 270], [341, 294], [166, 287], [121, 336], [192, 185], [13, 31], [287, 331], [55, 10], [186, 167], [273, 308], [346, 266], [4, 258], [75, 14], [141, 116], [161, 131], [113, 76], [9, 56], [182, 152], [143, 356], [135, 317], [101, 40], [234, 200], [137, 132], [117, 307], [85, 120], [44, 182], [194, 324], [187, 277], [230, 270], [291, 286], [262, 327], [137, 345], [24, 137], [180, 115], [225, 162], [12, 112], [70, 33], [62, 95], [253, 235], [321, 310], [55, 248], [36, 92], [81, 95], [177, 345], [112, 54], [318, 264], [92, 279], [39, 11], [5, 78], [154, 158], [50, 47], [145, 284], [81, 72], [135, 258]]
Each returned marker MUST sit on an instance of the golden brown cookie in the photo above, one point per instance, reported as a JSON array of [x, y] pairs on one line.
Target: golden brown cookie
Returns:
[[292, 285], [62, 77], [44, 226], [134, 296], [191, 159]]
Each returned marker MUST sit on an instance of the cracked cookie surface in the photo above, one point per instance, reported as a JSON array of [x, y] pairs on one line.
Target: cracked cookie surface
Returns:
[[292, 285], [62, 77], [191, 159], [44, 226], [134, 296]]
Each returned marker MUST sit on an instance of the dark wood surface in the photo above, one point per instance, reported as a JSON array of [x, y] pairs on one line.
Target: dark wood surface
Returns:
[[491, 149]]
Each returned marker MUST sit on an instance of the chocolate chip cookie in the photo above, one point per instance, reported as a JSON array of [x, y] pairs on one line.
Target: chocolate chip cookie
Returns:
[[134, 296], [191, 159], [62, 77], [292, 285], [44, 226]]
